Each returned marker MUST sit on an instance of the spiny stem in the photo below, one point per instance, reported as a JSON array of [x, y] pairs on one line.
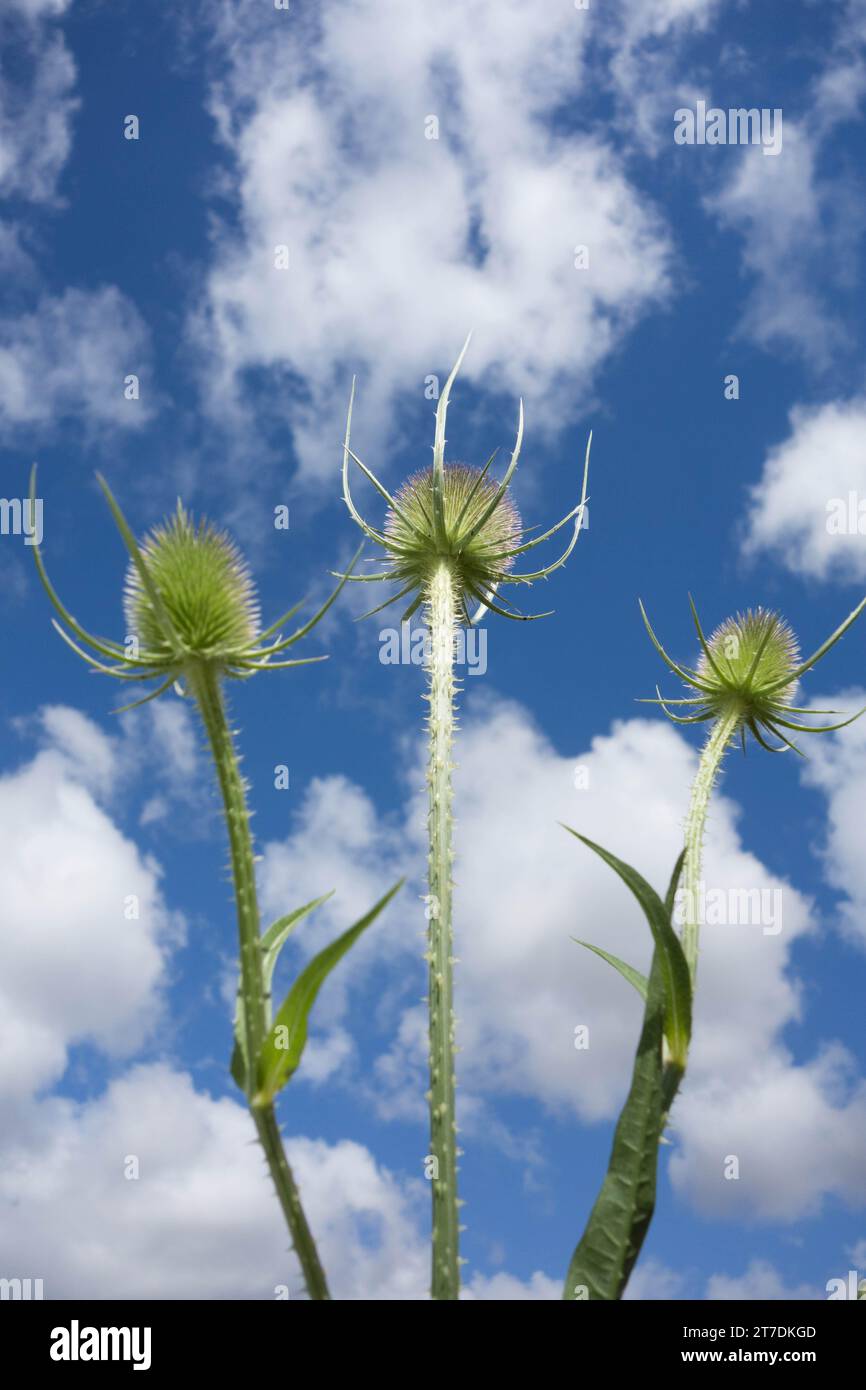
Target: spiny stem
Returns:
[[290, 1201], [204, 684], [721, 735], [441, 618]]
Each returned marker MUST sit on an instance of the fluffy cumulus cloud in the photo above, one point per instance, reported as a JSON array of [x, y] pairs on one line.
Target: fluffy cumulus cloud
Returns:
[[409, 161], [80, 903], [795, 1133], [70, 357], [809, 507], [159, 1179], [155, 1190], [151, 1188], [524, 986]]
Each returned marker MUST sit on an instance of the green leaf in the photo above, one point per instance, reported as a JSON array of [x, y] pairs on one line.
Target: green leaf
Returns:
[[628, 972], [673, 964], [270, 945], [622, 1213], [671, 894], [282, 1049], [278, 934], [620, 1218]]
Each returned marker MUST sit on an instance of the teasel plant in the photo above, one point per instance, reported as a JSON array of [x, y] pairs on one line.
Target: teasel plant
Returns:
[[743, 686], [450, 538], [193, 617]]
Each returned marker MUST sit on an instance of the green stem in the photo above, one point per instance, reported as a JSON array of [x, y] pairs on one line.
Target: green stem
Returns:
[[441, 619], [290, 1200], [722, 734], [205, 686]]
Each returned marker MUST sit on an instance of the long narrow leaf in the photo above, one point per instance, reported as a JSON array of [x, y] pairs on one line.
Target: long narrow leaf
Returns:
[[279, 932], [270, 946], [282, 1050], [673, 964], [628, 972], [620, 1218]]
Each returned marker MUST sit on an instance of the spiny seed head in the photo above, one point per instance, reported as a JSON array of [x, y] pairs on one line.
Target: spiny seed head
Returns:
[[747, 675], [455, 517], [750, 658], [190, 605], [205, 586], [475, 557]]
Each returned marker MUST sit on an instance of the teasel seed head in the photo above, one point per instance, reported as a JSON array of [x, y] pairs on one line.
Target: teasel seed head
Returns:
[[189, 602], [476, 563], [750, 668], [206, 588], [457, 515]]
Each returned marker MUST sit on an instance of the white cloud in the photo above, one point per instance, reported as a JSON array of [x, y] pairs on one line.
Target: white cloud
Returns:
[[342, 846], [802, 510], [36, 115], [506, 1288], [89, 755], [69, 357], [760, 1282], [837, 767], [68, 354], [857, 1254], [795, 1131], [163, 735], [781, 207], [652, 1280], [39, 9], [75, 966], [646, 40], [201, 1219], [398, 243], [799, 223], [15, 260]]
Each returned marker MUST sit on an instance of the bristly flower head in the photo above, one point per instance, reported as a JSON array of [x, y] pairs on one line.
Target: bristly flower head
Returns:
[[189, 602], [749, 669], [205, 586], [458, 514]]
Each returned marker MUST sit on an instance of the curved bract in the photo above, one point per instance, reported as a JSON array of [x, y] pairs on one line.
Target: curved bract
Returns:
[[190, 602], [747, 673], [457, 514]]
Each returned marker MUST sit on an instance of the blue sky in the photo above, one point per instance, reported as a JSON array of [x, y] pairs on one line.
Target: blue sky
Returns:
[[308, 129]]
